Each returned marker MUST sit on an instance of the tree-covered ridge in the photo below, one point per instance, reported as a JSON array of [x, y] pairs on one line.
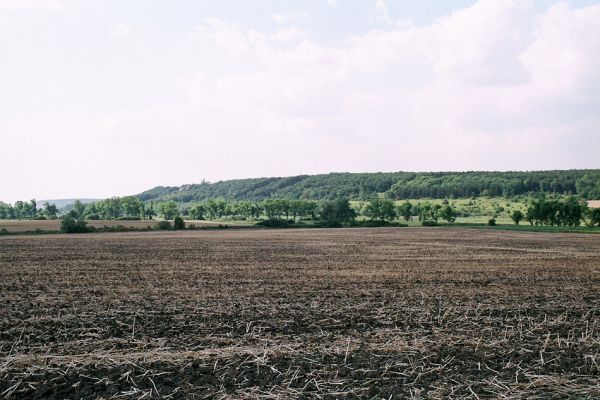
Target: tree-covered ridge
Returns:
[[395, 185]]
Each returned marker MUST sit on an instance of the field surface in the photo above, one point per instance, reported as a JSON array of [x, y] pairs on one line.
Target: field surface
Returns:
[[24, 225], [335, 313]]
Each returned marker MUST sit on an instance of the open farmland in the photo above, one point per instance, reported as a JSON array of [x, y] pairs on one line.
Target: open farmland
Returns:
[[300, 313], [25, 225]]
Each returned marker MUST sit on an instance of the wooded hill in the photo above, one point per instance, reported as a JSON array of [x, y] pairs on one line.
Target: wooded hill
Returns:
[[396, 185]]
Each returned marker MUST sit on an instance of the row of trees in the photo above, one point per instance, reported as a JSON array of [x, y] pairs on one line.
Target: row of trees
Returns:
[[568, 211], [27, 210], [387, 210], [561, 212]]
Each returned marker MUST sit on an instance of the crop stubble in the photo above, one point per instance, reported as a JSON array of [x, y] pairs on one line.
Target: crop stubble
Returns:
[[300, 313]]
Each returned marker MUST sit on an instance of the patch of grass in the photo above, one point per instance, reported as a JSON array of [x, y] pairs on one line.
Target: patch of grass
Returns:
[[530, 228]]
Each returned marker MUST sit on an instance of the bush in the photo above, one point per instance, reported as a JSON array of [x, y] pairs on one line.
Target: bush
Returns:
[[3, 231], [163, 226], [274, 223], [178, 223], [492, 222], [375, 224], [428, 222], [72, 225]]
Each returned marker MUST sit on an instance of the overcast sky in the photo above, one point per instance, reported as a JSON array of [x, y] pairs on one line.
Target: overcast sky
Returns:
[[102, 98]]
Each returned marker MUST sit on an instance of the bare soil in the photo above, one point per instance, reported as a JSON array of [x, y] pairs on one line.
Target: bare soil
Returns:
[[334, 313], [24, 225]]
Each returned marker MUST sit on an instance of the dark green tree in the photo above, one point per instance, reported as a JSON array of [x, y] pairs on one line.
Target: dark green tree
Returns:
[[197, 211], [447, 213], [178, 223], [405, 210], [78, 209], [69, 224], [50, 211], [517, 216]]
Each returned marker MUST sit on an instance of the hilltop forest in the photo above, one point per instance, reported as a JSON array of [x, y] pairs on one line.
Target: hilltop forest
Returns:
[[395, 185]]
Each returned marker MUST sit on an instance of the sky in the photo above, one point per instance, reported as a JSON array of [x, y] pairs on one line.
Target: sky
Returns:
[[104, 97]]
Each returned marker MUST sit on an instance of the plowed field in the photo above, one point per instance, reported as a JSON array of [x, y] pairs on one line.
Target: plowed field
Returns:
[[334, 313]]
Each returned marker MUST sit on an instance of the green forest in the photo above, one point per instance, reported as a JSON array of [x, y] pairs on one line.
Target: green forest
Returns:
[[396, 185]]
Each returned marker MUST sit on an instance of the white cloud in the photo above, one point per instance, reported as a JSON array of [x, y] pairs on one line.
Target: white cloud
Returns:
[[332, 3], [52, 5], [381, 13], [477, 82], [120, 29], [287, 18]]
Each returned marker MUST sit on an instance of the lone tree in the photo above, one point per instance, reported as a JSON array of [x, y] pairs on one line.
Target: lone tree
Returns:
[[178, 223], [517, 216], [405, 209]]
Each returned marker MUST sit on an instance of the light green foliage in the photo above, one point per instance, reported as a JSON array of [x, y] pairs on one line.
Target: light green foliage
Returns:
[[428, 211], [168, 210], [447, 213], [78, 210], [132, 207], [215, 208], [197, 211], [380, 209]]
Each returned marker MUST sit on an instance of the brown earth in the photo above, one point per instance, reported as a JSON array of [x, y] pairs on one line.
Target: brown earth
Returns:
[[335, 313], [24, 225]]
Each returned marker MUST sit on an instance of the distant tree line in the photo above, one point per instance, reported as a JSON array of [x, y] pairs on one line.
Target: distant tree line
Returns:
[[541, 210], [397, 186], [560, 212], [27, 210]]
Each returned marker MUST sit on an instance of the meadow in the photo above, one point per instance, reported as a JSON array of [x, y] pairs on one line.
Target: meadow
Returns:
[[300, 313]]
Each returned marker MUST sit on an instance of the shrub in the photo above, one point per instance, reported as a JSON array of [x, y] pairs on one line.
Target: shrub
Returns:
[[3, 231], [374, 224], [72, 225], [492, 222], [163, 226], [594, 214], [428, 222], [274, 223], [178, 223]]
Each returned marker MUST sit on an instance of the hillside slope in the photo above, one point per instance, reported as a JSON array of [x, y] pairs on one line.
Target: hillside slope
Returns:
[[398, 185]]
